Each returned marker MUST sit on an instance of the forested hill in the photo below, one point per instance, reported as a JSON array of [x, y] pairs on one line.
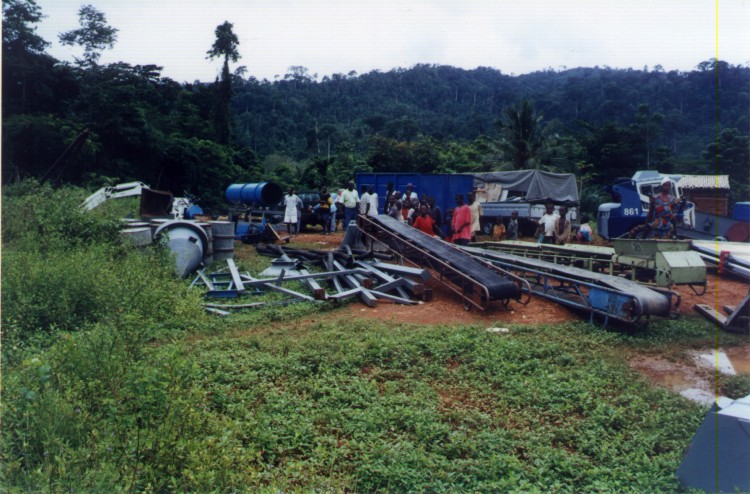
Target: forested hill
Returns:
[[448, 103], [90, 123]]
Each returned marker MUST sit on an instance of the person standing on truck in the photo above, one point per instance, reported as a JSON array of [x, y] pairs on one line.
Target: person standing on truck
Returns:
[[476, 213], [512, 230], [461, 222], [562, 227], [662, 211], [350, 200], [290, 211], [546, 229]]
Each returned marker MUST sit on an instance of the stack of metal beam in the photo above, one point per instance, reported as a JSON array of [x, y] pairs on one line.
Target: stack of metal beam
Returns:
[[729, 257]]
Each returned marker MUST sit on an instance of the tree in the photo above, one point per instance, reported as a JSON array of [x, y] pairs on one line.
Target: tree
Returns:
[[26, 69], [18, 33], [225, 46], [649, 125], [94, 35], [521, 138], [731, 155]]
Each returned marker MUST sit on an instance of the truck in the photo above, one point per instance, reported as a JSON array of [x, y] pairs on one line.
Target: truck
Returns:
[[500, 193], [630, 202]]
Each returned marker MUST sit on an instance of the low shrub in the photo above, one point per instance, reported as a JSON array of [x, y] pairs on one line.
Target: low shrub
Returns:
[[735, 387]]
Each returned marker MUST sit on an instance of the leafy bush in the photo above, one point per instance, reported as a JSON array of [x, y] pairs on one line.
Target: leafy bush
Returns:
[[736, 387], [64, 269], [39, 218]]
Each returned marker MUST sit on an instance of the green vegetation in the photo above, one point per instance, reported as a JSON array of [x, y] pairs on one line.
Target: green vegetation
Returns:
[[115, 380]]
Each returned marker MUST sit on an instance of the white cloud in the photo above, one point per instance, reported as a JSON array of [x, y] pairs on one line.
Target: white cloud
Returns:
[[337, 36]]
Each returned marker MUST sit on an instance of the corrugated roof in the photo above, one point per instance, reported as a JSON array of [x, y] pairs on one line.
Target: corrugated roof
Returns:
[[704, 182]]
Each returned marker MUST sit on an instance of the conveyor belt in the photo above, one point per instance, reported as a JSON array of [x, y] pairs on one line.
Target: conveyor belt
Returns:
[[476, 281], [591, 257], [609, 296]]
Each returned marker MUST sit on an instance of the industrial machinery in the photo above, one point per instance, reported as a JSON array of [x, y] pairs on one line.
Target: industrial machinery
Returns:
[[666, 262], [477, 282], [657, 262], [154, 203], [250, 212], [630, 205], [598, 294]]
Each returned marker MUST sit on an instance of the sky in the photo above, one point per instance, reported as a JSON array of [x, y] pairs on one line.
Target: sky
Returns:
[[340, 36]]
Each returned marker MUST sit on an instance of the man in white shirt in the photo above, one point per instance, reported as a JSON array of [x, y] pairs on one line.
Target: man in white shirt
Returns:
[[290, 211], [409, 195], [372, 202], [546, 230]]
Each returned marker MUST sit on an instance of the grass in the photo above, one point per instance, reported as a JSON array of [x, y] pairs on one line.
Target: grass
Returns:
[[364, 407]]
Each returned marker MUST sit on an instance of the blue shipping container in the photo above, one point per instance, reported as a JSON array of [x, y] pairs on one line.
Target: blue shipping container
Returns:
[[443, 187]]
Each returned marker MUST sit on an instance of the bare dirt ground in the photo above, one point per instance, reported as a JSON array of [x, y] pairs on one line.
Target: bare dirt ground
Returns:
[[677, 371], [446, 308]]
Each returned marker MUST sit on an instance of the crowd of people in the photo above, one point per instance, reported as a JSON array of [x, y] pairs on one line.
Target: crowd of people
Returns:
[[460, 225]]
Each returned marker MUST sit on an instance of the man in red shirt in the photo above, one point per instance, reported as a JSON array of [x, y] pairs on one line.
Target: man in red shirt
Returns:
[[424, 222], [461, 222]]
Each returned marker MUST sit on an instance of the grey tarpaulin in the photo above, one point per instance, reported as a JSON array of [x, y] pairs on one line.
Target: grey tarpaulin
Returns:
[[537, 186], [718, 460]]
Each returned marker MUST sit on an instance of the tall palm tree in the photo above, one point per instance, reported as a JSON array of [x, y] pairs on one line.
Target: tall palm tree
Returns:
[[521, 139], [225, 46]]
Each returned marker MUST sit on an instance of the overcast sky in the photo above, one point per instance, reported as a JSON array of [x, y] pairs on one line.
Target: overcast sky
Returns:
[[339, 36]]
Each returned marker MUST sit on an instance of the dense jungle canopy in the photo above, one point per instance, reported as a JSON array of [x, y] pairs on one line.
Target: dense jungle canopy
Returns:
[[89, 123]]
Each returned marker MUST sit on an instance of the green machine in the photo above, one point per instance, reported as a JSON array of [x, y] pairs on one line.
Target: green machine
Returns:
[[657, 262], [666, 262]]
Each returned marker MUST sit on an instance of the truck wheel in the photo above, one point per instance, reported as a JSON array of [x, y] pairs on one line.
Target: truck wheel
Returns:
[[487, 227]]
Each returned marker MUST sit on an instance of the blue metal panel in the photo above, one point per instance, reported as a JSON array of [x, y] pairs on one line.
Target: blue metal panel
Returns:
[[443, 187], [618, 305], [629, 214]]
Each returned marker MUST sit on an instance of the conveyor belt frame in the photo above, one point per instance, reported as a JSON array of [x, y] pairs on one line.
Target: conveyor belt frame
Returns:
[[473, 293]]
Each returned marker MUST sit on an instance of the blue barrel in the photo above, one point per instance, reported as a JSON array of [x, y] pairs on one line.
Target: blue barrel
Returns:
[[262, 193]]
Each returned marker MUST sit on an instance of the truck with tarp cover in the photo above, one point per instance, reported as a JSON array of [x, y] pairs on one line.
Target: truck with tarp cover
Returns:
[[500, 193], [527, 192]]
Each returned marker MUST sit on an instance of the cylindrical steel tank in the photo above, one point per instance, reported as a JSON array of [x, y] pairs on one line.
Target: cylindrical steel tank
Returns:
[[262, 193], [187, 241], [223, 240], [208, 255]]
